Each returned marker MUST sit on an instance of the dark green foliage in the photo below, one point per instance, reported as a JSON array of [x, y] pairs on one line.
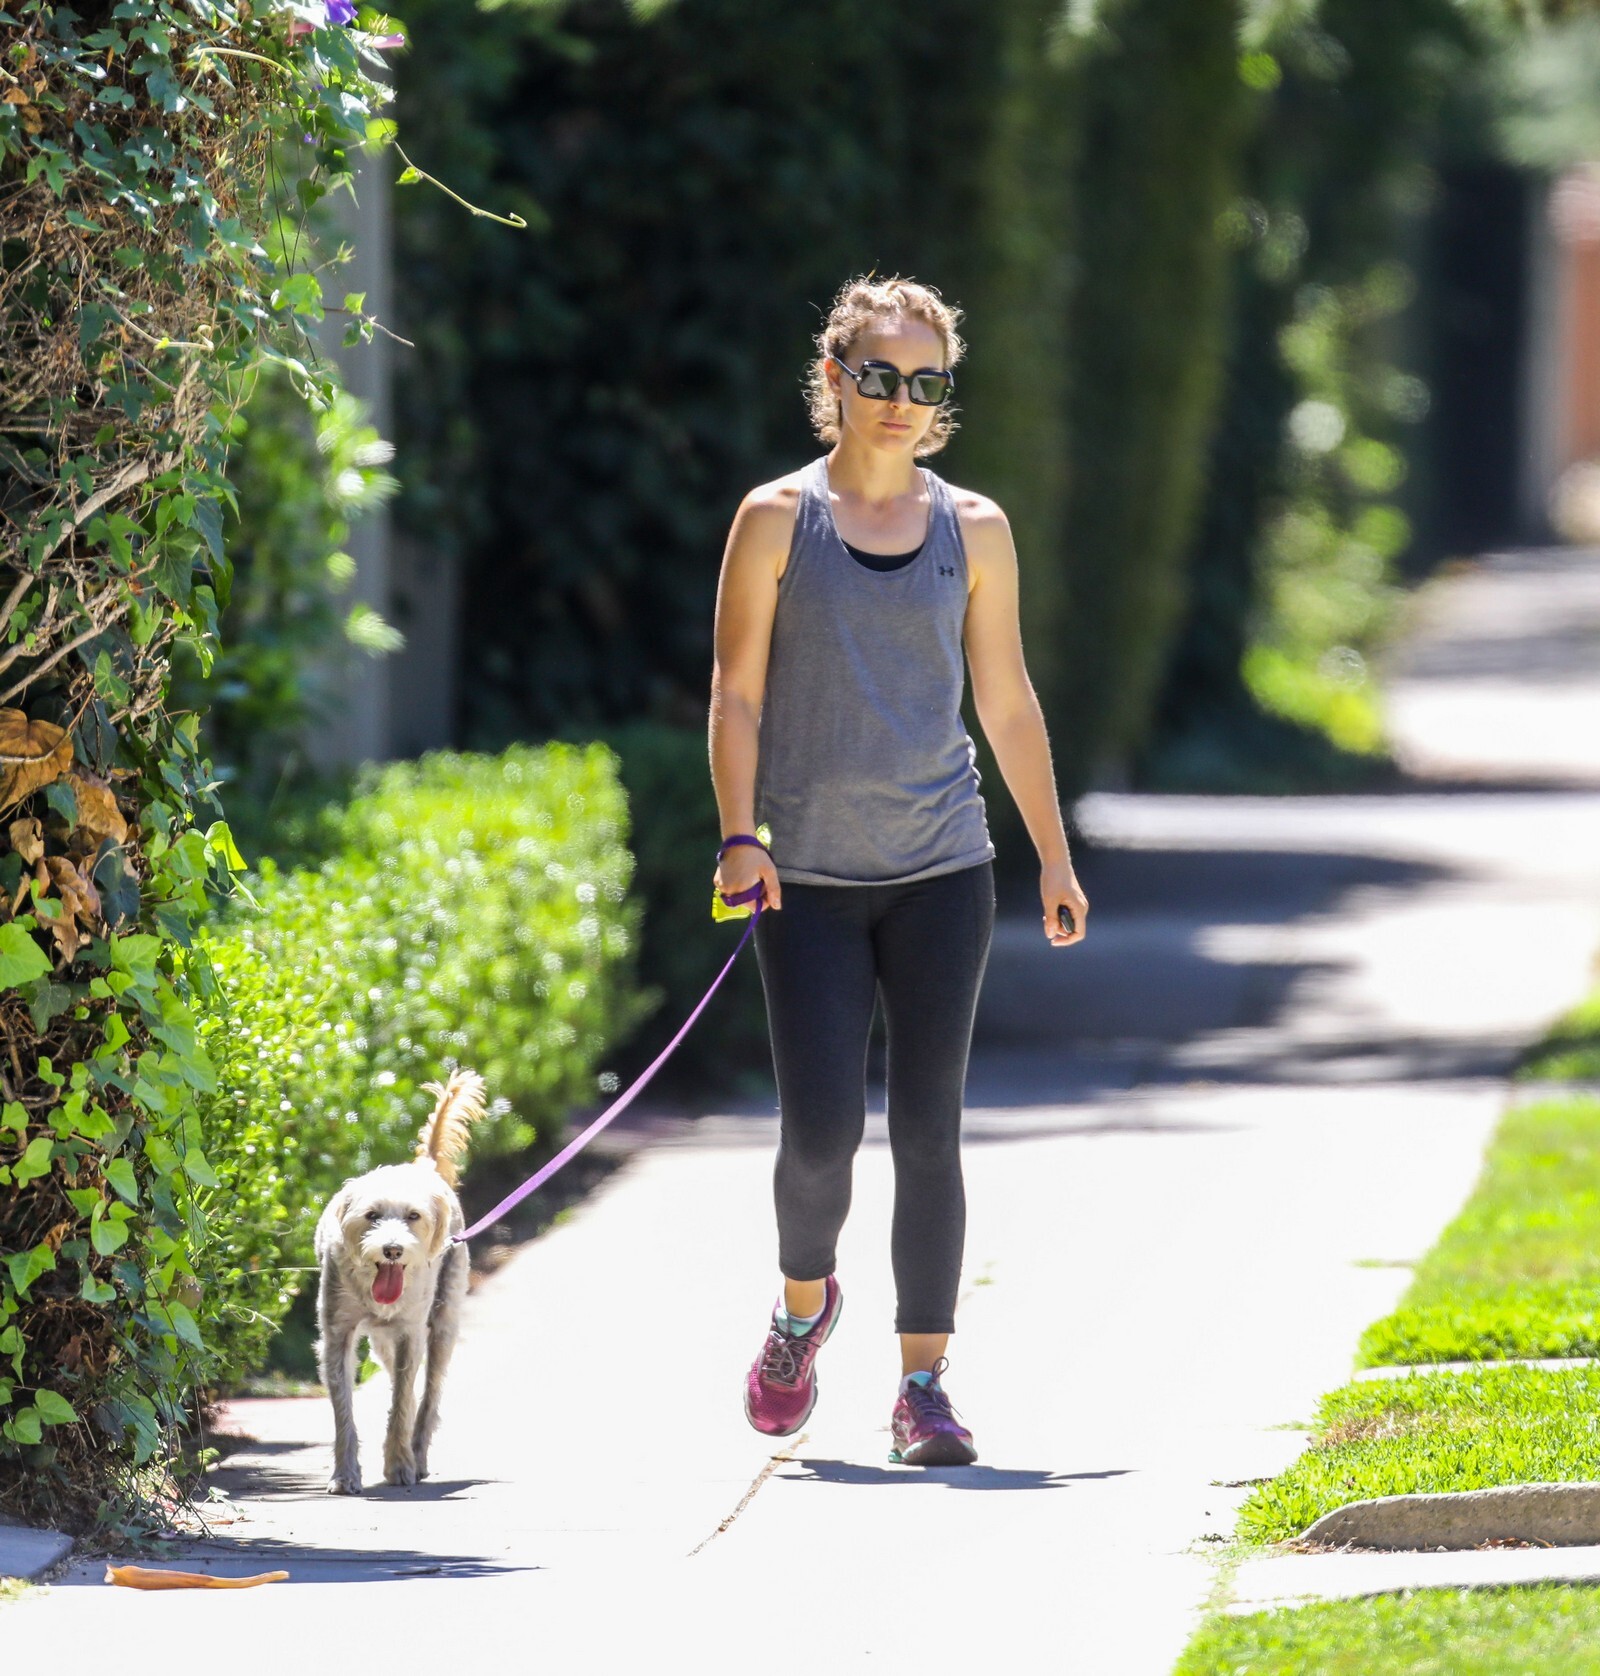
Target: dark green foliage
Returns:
[[1162, 128], [134, 305], [475, 912], [587, 404], [1204, 698], [1015, 379], [1293, 546], [300, 479]]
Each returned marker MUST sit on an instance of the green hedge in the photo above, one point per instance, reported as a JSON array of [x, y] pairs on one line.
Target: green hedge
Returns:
[[475, 912]]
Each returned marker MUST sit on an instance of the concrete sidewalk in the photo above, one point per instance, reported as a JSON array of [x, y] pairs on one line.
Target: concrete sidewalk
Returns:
[[1201, 1150]]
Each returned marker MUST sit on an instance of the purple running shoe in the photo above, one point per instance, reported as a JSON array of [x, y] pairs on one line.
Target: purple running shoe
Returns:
[[780, 1390], [924, 1427]]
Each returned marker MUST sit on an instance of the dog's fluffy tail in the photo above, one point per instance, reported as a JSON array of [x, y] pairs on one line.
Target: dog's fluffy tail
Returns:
[[443, 1138]]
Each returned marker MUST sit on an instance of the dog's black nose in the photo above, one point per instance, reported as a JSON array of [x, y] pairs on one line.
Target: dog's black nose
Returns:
[[392, 1252]]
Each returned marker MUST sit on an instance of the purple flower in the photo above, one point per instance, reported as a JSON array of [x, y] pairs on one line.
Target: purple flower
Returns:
[[341, 15]]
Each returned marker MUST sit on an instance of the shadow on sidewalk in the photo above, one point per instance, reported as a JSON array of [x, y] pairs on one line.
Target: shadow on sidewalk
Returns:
[[954, 1478], [227, 1558]]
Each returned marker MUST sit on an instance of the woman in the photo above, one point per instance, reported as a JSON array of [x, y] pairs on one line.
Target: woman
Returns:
[[849, 590]]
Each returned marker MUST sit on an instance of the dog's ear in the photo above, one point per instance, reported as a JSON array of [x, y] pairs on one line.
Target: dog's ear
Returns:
[[330, 1225], [440, 1222]]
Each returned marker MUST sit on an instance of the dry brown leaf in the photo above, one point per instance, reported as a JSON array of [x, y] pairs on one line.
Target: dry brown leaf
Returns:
[[32, 754], [64, 927], [14, 96], [27, 838], [147, 1577], [68, 939], [98, 814], [77, 890]]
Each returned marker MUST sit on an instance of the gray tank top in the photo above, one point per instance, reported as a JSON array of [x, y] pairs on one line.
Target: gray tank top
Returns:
[[865, 772]]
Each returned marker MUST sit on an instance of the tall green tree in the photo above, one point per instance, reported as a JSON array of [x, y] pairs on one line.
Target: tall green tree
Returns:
[[1293, 550], [1015, 380], [583, 412], [1164, 120]]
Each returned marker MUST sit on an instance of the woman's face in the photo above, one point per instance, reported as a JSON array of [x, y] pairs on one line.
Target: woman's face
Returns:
[[899, 424]]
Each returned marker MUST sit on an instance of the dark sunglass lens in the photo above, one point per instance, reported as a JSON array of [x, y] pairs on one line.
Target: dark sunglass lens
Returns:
[[928, 389], [877, 381]]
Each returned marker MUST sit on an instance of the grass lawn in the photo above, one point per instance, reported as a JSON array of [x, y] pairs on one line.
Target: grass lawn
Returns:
[[1551, 1629], [1571, 1052], [1430, 1432], [1518, 1272]]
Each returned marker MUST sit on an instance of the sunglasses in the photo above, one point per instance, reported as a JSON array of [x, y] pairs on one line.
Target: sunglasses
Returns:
[[879, 381]]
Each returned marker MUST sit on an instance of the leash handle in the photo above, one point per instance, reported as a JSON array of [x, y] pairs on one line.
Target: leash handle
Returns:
[[738, 906], [622, 1101]]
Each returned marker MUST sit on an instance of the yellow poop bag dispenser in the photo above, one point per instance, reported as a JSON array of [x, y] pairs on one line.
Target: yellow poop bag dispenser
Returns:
[[720, 910]]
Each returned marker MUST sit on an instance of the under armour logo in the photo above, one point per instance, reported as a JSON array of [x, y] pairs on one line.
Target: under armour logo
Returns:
[[947, 570]]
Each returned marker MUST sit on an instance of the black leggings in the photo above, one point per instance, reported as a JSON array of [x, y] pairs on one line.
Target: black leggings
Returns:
[[824, 956]]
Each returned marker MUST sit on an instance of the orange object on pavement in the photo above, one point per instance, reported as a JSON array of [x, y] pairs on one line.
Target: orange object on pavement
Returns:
[[144, 1577]]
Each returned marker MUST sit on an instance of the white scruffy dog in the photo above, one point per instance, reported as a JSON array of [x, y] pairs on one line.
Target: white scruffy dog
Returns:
[[391, 1274]]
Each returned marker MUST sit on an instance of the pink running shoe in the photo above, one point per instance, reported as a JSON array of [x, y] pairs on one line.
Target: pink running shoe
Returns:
[[924, 1427], [780, 1390]]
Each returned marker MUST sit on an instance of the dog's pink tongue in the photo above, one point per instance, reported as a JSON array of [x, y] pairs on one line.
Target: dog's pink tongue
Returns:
[[389, 1284]]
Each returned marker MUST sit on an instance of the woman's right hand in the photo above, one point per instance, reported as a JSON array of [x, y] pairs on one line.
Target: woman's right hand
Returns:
[[742, 867]]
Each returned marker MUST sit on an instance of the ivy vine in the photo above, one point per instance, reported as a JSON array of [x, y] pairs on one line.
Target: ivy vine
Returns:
[[148, 151]]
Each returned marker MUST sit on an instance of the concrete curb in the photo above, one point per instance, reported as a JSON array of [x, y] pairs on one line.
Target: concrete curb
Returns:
[[1564, 1515], [1548, 1364], [28, 1552], [1277, 1580], [1535, 1091]]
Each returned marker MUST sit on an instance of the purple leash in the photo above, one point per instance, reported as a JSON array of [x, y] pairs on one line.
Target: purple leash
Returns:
[[625, 1099]]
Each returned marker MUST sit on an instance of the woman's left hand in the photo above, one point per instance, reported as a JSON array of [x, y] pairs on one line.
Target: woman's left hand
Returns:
[[1059, 889]]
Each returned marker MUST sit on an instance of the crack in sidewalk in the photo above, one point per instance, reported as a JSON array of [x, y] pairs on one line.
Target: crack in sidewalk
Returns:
[[749, 1496]]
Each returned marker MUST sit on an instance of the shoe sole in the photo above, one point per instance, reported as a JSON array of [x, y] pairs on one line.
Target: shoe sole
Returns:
[[936, 1452], [816, 1388]]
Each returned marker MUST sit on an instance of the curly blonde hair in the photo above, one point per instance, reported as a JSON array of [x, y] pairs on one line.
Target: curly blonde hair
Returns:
[[863, 303]]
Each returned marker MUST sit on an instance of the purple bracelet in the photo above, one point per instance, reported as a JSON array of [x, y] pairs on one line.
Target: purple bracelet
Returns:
[[740, 838]]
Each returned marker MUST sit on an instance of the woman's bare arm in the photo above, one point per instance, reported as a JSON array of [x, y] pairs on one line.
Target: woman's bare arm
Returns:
[[1008, 708], [747, 599]]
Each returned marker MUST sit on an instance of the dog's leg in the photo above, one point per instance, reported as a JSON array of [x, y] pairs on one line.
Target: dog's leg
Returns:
[[336, 1357], [399, 1463], [444, 1320]]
